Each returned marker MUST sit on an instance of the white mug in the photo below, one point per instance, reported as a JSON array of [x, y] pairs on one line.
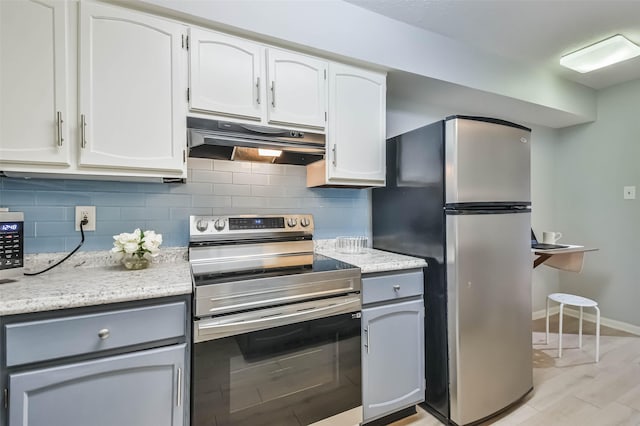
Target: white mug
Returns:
[[551, 237]]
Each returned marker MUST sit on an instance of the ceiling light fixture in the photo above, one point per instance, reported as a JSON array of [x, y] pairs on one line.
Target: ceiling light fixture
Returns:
[[601, 54]]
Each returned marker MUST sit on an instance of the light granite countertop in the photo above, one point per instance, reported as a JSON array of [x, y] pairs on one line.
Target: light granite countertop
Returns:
[[93, 278], [370, 260], [96, 278]]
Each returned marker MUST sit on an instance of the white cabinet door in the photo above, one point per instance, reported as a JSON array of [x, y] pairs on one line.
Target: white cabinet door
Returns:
[[357, 126], [131, 90], [226, 75], [33, 82], [392, 358], [297, 89]]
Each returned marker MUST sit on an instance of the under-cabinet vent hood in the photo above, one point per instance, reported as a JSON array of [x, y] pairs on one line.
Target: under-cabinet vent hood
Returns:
[[224, 140]]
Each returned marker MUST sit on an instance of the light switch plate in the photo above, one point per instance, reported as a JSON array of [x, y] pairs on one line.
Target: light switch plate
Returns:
[[629, 192]]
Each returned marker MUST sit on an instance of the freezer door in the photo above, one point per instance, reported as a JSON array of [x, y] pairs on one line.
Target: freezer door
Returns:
[[489, 312], [486, 162]]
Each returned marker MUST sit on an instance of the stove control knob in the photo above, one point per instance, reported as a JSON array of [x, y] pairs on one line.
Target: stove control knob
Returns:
[[202, 225], [291, 222], [305, 222], [219, 224]]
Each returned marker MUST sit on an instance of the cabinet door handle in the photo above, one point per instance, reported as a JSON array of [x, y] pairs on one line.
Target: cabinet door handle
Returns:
[[104, 333], [334, 150], [396, 288], [273, 94], [366, 331], [258, 90], [83, 131], [179, 391], [59, 122]]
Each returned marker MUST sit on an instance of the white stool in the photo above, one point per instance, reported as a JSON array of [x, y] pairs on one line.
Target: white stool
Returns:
[[573, 300]]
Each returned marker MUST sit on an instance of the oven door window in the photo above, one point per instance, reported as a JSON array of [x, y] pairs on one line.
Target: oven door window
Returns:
[[291, 375]]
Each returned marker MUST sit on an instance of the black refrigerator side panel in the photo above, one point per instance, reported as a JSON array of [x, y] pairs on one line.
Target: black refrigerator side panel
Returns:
[[408, 218]]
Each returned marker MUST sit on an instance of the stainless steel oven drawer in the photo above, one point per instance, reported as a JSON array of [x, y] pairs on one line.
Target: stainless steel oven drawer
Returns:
[[35, 341], [392, 286]]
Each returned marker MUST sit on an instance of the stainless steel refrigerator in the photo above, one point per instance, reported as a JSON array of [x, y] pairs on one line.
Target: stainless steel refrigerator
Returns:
[[458, 195]]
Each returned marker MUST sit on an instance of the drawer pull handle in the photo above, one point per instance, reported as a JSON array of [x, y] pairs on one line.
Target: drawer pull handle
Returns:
[[396, 287], [104, 333]]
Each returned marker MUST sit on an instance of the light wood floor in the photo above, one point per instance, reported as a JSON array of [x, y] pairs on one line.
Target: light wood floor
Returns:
[[573, 390]]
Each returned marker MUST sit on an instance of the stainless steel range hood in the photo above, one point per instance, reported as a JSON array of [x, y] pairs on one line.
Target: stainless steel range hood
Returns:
[[226, 140]]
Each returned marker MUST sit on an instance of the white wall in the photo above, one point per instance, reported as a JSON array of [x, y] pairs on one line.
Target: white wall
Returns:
[[543, 177], [594, 162]]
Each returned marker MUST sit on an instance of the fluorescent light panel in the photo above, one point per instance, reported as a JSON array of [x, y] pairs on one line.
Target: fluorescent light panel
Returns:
[[601, 54], [269, 152]]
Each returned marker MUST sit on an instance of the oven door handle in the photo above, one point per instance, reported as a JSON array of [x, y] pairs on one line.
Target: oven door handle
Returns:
[[233, 325]]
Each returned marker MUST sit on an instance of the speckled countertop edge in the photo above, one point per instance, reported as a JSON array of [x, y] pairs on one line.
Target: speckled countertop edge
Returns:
[[370, 260], [93, 278], [97, 278]]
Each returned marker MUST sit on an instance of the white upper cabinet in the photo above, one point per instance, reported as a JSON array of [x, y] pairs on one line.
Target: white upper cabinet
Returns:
[[356, 130], [297, 89], [233, 77], [225, 75], [34, 113], [129, 91]]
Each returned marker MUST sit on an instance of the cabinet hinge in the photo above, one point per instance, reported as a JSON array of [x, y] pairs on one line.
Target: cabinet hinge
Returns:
[[188, 94], [182, 40], [325, 116], [325, 74], [184, 155], [187, 43], [6, 398]]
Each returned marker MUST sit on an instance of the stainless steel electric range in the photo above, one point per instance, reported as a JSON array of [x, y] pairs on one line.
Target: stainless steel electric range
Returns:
[[276, 328]]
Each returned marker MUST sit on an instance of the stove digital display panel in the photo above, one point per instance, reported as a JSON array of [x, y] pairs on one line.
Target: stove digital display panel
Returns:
[[236, 223]]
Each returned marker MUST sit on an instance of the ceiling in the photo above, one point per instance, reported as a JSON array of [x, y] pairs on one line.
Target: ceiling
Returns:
[[536, 32]]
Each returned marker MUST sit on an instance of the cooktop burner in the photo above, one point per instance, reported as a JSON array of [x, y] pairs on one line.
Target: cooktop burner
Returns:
[[320, 264]]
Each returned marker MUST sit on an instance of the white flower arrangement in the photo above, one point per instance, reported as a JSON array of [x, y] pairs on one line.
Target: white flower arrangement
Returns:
[[138, 243]]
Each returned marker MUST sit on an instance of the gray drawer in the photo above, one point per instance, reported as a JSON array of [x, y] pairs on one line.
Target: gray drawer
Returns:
[[391, 287], [82, 334]]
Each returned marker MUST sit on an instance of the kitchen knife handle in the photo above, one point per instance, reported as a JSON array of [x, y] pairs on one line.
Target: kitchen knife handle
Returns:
[[335, 155], [83, 131], [59, 122], [258, 90]]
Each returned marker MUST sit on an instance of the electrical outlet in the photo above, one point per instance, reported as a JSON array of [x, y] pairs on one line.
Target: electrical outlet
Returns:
[[629, 192], [90, 213]]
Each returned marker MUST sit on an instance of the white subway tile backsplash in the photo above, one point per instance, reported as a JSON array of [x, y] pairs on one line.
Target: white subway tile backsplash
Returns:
[[248, 202], [283, 203], [267, 168], [199, 163], [232, 166], [231, 189], [287, 180], [208, 176], [211, 201], [214, 187], [268, 191], [294, 170], [248, 178]]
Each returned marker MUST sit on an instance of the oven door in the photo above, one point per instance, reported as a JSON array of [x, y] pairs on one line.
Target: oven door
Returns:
[[253, 373]]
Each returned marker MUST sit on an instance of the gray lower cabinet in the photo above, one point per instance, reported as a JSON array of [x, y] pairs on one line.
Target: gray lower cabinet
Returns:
[[123, 364], [143, 388], [392, 355]]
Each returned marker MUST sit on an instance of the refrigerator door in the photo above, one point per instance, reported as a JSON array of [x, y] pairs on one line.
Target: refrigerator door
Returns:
[[489, 312], [486, 162]]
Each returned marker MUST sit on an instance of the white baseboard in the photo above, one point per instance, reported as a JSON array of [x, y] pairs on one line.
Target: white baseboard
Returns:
[[618, 325]]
